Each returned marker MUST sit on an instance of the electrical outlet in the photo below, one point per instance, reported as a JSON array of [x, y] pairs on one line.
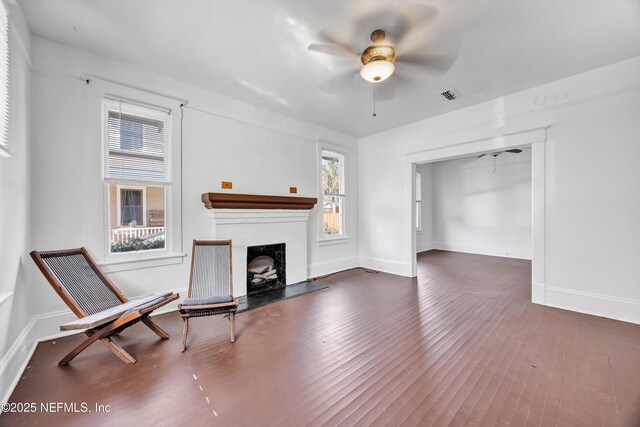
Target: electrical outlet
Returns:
[[227, 185], [293, 190]]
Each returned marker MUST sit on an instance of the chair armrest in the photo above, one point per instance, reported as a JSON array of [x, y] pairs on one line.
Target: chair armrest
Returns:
[[169, 298]]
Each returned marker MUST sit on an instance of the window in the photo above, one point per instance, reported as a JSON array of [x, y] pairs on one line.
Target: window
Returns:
[[418, 201], [4, 81], [333, 194], [131, 207], [137, 142]]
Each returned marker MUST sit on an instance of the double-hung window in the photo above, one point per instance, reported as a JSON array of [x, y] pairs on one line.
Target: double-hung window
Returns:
[[333, 194], [137, 142], [418, 201]]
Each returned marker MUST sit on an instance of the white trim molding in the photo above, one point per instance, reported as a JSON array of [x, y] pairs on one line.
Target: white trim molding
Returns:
[[333, 266], [537, 293], [334, 241], [538, 222], [398, 268], [425, 246], [523, 138], [140, 263], [624, 309], [483, 250]]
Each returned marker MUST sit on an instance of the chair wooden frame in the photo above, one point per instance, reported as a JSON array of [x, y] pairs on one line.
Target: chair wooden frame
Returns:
[[105, 332], [187, 311]]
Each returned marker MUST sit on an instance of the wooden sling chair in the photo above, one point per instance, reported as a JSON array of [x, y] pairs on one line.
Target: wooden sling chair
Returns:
[[102, 310], [210, 285]]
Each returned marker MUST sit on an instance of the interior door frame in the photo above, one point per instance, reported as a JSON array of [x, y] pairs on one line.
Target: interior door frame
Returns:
[[533, 138]]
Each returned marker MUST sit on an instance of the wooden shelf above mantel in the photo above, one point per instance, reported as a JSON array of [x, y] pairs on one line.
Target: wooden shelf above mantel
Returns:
[[254, 201]]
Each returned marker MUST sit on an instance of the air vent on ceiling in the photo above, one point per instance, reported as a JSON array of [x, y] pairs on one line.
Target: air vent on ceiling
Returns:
[[450, 94]]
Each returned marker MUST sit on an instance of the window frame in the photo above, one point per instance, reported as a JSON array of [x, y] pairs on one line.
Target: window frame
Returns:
[[343, 152], [137, 108], [418, 198]]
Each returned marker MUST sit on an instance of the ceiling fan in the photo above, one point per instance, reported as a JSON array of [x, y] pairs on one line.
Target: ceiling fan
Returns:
[[402, 45], [497, 153]]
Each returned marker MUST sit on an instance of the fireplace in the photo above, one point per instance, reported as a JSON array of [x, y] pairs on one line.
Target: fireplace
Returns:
[[259, 220], [266, 268]]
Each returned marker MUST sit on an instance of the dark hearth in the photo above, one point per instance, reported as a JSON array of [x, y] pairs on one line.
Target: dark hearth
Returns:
[[266, 268], [249, 302]]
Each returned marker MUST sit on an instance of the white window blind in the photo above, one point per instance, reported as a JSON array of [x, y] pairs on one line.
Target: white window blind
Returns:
[[136, 143], [4, 81]]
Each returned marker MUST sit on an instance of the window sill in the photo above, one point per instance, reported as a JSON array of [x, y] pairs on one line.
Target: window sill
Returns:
[[5, 296], [114, 266], [334, 241]]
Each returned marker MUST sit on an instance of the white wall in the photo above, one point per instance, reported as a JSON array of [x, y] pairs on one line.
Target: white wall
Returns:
[[474, 210], [237, 147], [592, 194], [63, 174], [15, 309]]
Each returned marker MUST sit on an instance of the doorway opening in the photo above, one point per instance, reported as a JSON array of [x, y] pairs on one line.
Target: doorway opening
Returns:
[[481, 204]]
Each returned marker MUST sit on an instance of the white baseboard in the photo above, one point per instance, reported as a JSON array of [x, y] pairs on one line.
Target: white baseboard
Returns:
[[537, 293], [484, 250], [333, 266], [42, 327], [387, 266], [424, 246], [624, 309]]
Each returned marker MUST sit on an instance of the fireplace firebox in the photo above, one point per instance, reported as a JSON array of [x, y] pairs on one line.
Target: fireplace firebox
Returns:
[[266, 268]]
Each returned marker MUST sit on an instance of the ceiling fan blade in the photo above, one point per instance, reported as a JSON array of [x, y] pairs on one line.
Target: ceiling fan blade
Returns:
[[332, 46], [435, 64], [515, 150], [481, 155], [330, 49], [339, 83], [414, 16]]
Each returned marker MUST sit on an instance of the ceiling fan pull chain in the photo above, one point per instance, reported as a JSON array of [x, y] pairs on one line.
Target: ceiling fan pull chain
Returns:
[[494, 164], [374, 104]]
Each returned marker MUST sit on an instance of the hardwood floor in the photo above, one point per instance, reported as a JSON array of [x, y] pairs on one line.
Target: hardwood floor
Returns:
[[461, 345]]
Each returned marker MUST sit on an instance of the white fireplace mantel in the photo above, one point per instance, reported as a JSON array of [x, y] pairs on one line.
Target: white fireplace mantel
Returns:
[[255, 227]]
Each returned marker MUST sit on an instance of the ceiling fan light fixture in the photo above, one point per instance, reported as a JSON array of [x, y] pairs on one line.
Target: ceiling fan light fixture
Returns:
[[377, 71]]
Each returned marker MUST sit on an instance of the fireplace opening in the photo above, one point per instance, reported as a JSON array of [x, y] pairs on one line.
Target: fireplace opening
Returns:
[[266, 268]]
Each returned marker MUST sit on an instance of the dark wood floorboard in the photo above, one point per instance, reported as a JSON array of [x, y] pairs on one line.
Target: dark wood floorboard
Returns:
[[461, 345]]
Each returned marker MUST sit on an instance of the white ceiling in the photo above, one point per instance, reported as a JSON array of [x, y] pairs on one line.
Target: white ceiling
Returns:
[[255, 50]]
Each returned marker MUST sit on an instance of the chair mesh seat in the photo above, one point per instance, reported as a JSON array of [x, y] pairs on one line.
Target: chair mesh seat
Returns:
[[77, 277]]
